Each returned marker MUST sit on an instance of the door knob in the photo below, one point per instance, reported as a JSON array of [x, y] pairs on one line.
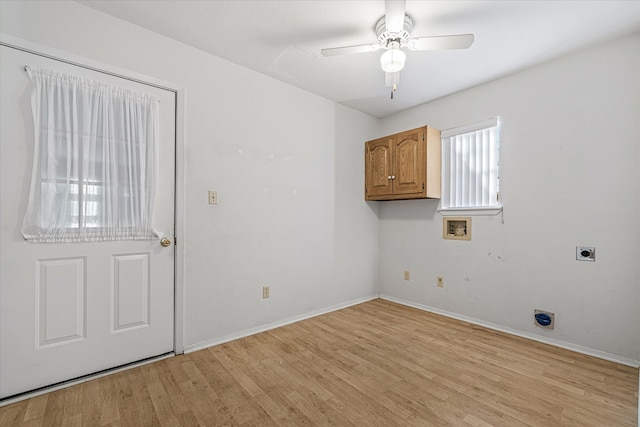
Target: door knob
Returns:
[[165, 242]]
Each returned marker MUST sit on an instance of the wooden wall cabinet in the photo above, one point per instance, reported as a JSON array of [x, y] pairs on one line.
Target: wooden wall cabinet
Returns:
[[403, 166]]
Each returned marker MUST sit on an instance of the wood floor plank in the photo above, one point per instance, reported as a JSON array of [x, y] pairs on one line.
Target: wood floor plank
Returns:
[[36, 407], [373, 364], [54, 411]]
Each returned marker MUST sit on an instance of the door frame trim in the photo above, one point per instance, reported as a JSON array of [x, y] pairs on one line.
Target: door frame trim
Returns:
[[179, 137]]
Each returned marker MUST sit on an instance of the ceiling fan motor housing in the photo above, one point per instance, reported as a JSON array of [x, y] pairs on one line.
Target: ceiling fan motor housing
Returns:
[[385, 37]]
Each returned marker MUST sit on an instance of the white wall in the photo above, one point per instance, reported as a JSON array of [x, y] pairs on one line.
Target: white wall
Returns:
[[288, 169], [569, 176], [287, 166]]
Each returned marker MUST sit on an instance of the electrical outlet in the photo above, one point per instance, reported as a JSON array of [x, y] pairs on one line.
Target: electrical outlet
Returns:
[[585, 253], [407, 275], [265, 292], [213, 197], [440, 281]]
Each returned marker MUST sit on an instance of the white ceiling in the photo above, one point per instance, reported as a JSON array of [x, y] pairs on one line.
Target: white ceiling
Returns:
[[283, 38]]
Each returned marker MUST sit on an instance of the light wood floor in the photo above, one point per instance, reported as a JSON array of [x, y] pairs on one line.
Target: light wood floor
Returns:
[[374, 364]]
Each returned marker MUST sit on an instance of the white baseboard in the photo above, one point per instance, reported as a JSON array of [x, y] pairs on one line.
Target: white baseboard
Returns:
[[266, 327], [557, 343]]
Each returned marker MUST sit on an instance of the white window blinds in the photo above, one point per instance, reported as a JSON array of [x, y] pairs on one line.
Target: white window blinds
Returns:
[[470, 159], [95, 157]]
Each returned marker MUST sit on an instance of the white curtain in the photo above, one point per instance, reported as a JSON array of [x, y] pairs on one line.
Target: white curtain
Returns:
[[94, 161]]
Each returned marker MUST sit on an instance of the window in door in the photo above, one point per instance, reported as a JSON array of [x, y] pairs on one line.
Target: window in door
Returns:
[[95, 155]]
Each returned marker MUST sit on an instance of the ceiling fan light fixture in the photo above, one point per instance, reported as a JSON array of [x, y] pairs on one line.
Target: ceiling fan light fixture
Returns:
[[393, 60], [392, 79]]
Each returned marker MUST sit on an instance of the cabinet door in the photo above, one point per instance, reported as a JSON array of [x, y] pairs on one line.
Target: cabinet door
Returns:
[[378, 168], [409, 162]]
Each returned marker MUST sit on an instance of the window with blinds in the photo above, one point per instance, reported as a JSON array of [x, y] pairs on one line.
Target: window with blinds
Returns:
[[470, 160]]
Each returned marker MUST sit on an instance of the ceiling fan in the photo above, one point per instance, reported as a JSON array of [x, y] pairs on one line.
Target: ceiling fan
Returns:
[[394, 33]]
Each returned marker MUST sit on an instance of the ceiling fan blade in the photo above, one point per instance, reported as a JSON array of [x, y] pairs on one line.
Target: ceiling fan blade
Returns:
[[460, 41], [348, 50], [394, 15]]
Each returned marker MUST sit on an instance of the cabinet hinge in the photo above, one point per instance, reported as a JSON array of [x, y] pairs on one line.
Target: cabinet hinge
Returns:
[[175, 240], [423, 185]]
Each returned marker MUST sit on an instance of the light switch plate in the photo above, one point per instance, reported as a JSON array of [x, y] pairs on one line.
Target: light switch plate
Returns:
[[213, 197]]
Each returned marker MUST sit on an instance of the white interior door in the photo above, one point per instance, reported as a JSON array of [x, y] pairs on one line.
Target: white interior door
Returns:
[[72, 309]]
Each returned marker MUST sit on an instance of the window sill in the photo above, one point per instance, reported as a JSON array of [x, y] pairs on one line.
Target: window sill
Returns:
[[470, 211]]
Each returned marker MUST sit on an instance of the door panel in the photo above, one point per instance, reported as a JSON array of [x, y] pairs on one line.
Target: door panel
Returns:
[[61, 287], [72, 309], [130, 291], [409, 164], [378, 168]]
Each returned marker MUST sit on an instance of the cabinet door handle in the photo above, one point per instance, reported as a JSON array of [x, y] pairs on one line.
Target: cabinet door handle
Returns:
[[393, 177], [389, 177]]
